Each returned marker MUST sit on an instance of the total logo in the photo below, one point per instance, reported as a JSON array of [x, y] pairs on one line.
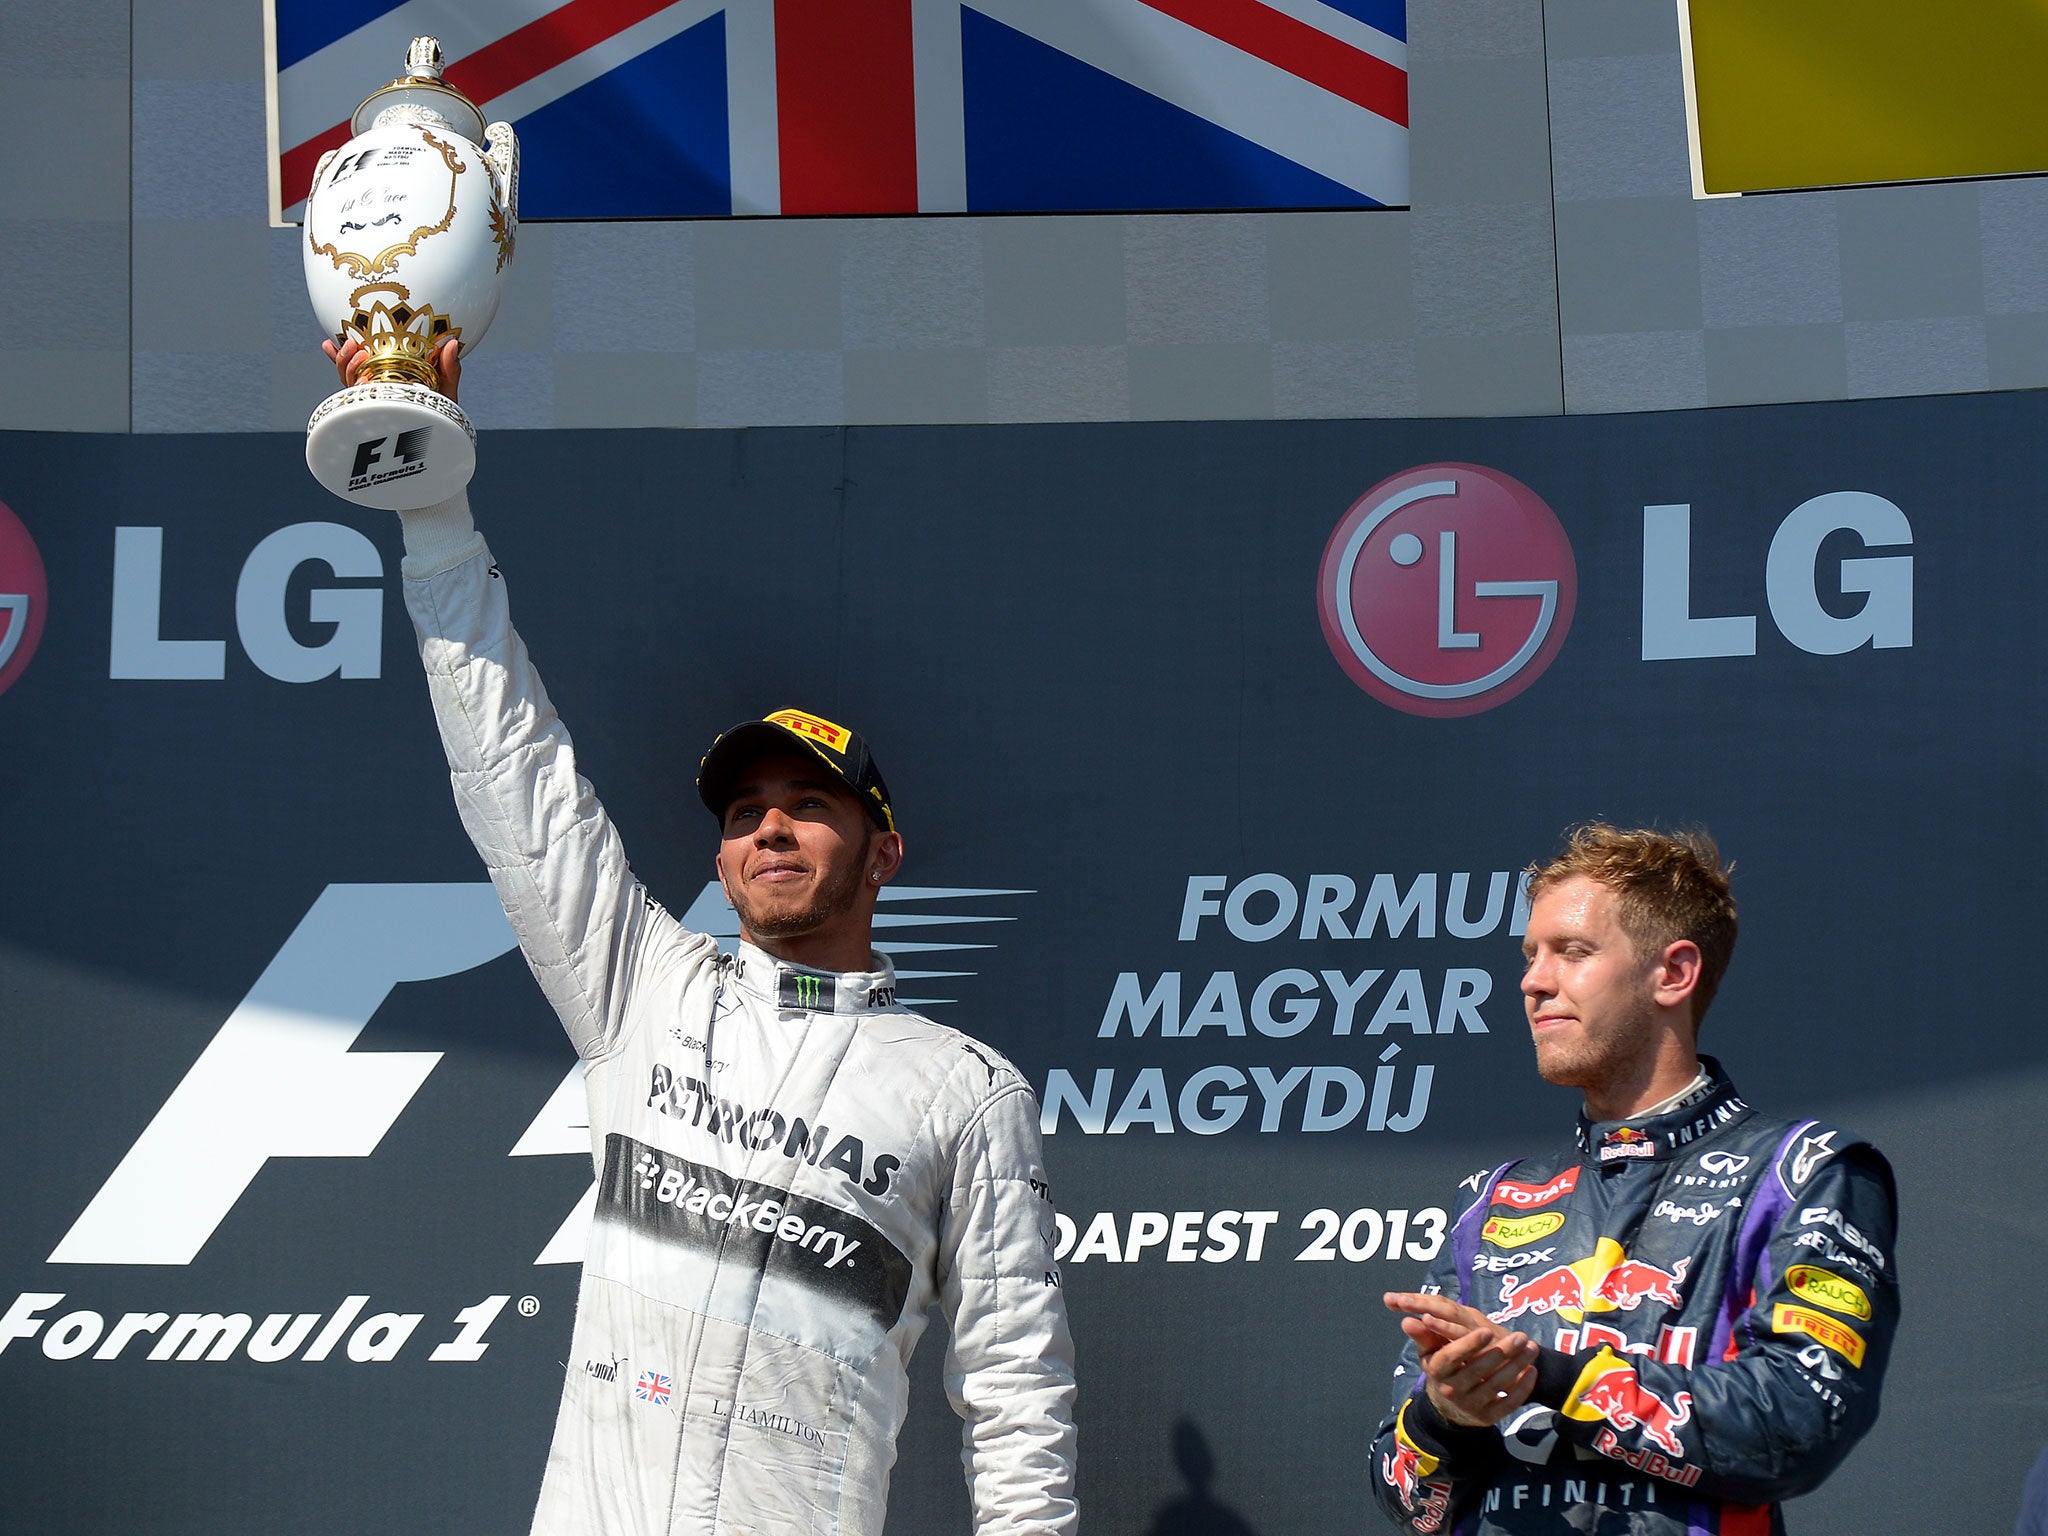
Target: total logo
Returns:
[[1448, 588], [24, 594]]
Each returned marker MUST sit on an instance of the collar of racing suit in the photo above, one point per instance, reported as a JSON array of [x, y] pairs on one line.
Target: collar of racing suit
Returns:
[[1654, 1138], [782, 985]]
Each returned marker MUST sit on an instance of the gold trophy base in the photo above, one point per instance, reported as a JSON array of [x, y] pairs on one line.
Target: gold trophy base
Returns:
[[393, 446]]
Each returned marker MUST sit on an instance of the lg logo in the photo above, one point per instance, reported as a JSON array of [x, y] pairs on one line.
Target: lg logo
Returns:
[[1884, 620], [24, 592], [138, 648], [1447, 589]]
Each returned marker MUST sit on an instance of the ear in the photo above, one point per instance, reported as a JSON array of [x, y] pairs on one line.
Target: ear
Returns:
[[885, 857], [718, 867], [1676, 973]]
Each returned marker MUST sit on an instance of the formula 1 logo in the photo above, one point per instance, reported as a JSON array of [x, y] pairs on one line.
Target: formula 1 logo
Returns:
[[1447, 589], [409, 449], [24, 593], [281, 1078]]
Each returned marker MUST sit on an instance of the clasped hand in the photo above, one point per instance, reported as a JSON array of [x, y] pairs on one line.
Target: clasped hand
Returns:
[[1477, 1372]]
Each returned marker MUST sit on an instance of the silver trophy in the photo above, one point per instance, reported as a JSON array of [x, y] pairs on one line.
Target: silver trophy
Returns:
[[409, 228]]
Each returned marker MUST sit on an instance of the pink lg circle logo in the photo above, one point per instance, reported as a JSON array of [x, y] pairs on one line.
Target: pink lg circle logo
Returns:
[[23, 592], [1447, 589]]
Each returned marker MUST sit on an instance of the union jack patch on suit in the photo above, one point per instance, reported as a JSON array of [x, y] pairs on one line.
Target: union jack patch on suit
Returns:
[[653, 1387]]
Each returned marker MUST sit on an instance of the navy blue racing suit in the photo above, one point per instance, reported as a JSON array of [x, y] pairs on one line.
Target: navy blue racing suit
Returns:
[[1715, 1294]]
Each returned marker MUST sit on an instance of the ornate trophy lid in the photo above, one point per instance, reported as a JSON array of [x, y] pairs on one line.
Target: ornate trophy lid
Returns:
[[422, 89]]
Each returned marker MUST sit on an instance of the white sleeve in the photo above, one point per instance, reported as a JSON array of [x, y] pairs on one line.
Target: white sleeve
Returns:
[[582, 920], [1010, 1363]]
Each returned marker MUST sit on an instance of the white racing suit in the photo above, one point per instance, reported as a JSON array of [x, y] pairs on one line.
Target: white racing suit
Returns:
[[792, 1169]]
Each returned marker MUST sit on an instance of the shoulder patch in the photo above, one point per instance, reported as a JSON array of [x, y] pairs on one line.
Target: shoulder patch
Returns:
[[992, 1063], [1812, 1145]]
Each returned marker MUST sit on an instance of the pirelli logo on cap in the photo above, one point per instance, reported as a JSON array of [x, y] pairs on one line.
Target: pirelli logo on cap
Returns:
[[1838, 1336], [833, 736]]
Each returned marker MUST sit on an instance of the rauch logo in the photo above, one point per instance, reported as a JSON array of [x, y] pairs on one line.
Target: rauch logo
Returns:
[[24, 592], [1447, 589]]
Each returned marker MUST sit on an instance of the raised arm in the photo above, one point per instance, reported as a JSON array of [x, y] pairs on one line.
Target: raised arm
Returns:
[[582, 919]]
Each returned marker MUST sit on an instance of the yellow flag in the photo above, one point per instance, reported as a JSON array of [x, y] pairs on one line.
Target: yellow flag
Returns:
[[1823, 93]]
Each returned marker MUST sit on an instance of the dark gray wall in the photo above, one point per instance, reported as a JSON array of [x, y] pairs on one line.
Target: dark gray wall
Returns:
[[1091, 660]]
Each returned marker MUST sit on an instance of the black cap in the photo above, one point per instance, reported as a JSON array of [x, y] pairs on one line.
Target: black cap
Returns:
[[837, 747]]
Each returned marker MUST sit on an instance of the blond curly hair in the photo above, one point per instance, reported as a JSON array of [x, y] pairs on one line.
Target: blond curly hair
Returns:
[[1668, 886]]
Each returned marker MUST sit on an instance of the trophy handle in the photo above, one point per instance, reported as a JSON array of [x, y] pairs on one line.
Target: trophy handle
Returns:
[[321, 170], [503, 159]]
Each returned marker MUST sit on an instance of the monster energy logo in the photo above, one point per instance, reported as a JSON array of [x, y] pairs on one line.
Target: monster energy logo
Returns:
[[800, 989]]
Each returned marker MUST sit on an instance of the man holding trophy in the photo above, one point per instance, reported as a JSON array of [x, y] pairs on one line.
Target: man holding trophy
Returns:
[[792, 1167]]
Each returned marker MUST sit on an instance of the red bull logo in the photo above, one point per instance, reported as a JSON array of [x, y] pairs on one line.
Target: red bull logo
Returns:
[[1626, 1142], [1606, 1282], [1550, 1291], [1406, 1471], [1673, 1346], [1643, 1459], [1616, 1396], [1631, 1283], [1402, 1469]]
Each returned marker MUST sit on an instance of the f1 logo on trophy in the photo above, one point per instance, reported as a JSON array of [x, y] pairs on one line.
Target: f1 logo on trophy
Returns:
[[409, 227]]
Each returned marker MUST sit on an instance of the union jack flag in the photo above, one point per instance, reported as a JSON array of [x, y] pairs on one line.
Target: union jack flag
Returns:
[[653, 1387], [650, 109]]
